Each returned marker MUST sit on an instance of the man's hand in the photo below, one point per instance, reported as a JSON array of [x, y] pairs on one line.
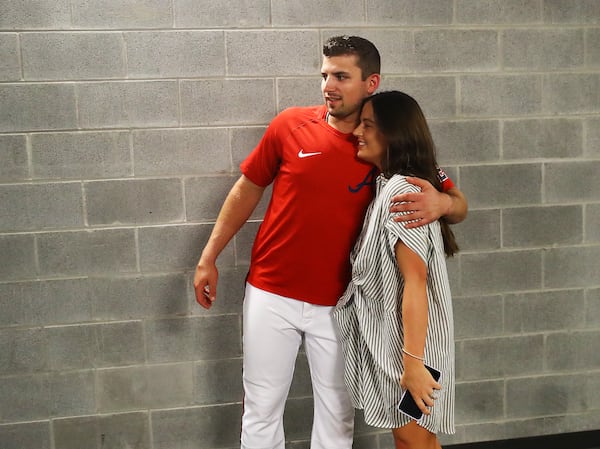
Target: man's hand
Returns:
[[420, 208], [205, 283]]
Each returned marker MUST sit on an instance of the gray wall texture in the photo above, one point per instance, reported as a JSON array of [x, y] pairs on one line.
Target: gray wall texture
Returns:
[[122, 125]]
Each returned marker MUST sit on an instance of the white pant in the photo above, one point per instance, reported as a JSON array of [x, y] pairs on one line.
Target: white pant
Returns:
[[273, 329]]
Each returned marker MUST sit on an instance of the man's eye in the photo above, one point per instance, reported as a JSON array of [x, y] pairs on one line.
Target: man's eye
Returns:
[[341, 77]]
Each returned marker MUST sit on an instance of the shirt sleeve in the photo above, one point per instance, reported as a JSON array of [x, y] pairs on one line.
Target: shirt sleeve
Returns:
[[447, 183], [262, 164], [417, 239]]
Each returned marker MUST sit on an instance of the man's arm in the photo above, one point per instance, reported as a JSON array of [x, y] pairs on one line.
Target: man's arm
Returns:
[[241, 201], [428, 205]]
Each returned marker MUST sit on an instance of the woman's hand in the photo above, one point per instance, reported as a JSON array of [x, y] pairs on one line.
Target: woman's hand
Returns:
[[421, 384]]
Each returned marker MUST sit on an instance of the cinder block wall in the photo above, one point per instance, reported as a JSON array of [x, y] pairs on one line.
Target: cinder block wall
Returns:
[[122, 125]]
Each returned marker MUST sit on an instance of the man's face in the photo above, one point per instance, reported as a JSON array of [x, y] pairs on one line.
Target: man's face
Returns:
[[343, 87]]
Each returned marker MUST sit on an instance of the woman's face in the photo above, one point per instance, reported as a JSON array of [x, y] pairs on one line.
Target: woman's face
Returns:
[[372, 146]]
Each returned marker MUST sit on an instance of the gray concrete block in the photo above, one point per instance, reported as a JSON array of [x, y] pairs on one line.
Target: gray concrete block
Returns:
[[243, 141], [491, 358], [368, 441], [229, 101], [591, 147], [26, 351], [72, 56], [592, 47], [592, 218], [72, 393], [217, 337], [301, 382], [436, 94], [87, 252], [15, 162], [288, 13], [571, 93], [197, 427], [479, 401], [81, 155], [501, 272], [210, 14], [571, 267], [572, 11], [19, 250], [169, 340], [136, 297], [271, 53], [25, 435], [24, 398], [44, 303], [546, 138], [391, 43], [200, 338], [542, 226], [492, 431], [478, 317], [592, 308], [456, 50], [128, 104], [544, 311], [181, 151], [50, 14], [156, 386], [120, 344], [500, 95], [547, 395], [573, 351], [205, 196], [10, 66], [108, 14], [542, 49], [169, 248], [567, 182], [218, 382], [168, 54], [298, 92], [299, 418], [41, 206], [72, 347], [244, 240], [466, 141], [479, 231], [90, 346], [119, 431], [33, 107], [140, 201], [502, 185], [498, 11], [406, 12]]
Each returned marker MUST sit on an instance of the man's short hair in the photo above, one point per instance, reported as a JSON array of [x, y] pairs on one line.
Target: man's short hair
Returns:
[[367, 54]]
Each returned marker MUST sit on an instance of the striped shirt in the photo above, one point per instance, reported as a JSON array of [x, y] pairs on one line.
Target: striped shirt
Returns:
[[370, 322]]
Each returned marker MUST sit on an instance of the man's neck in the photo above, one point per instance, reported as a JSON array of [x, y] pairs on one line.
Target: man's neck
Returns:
[[344, 125]]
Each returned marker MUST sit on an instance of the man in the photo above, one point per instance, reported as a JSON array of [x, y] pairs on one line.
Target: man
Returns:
[[300, 259]]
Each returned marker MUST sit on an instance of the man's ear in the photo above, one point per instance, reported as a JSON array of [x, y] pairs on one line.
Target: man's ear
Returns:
[[373, 82]]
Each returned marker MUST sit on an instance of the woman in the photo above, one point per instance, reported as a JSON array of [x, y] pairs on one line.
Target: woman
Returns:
[[396, 314]]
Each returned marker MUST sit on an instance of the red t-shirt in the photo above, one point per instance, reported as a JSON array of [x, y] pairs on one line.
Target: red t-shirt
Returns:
[[320, 195]]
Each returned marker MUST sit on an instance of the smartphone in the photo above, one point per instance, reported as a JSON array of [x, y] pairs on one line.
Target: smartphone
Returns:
[[408, 405]]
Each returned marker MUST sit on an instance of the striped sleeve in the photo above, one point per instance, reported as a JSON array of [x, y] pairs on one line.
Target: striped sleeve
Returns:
[[417, 239]]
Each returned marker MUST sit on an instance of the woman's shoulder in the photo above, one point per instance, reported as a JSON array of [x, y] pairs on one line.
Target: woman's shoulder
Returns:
[[398, 184]]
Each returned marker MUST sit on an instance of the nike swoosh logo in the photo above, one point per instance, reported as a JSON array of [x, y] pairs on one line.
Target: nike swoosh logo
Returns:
[[302, 154]]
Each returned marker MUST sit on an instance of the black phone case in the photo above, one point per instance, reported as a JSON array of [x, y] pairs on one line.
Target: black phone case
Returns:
[[408, 405]]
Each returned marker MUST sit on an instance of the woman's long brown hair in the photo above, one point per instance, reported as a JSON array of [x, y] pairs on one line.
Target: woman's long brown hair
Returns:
[[411, 151]]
